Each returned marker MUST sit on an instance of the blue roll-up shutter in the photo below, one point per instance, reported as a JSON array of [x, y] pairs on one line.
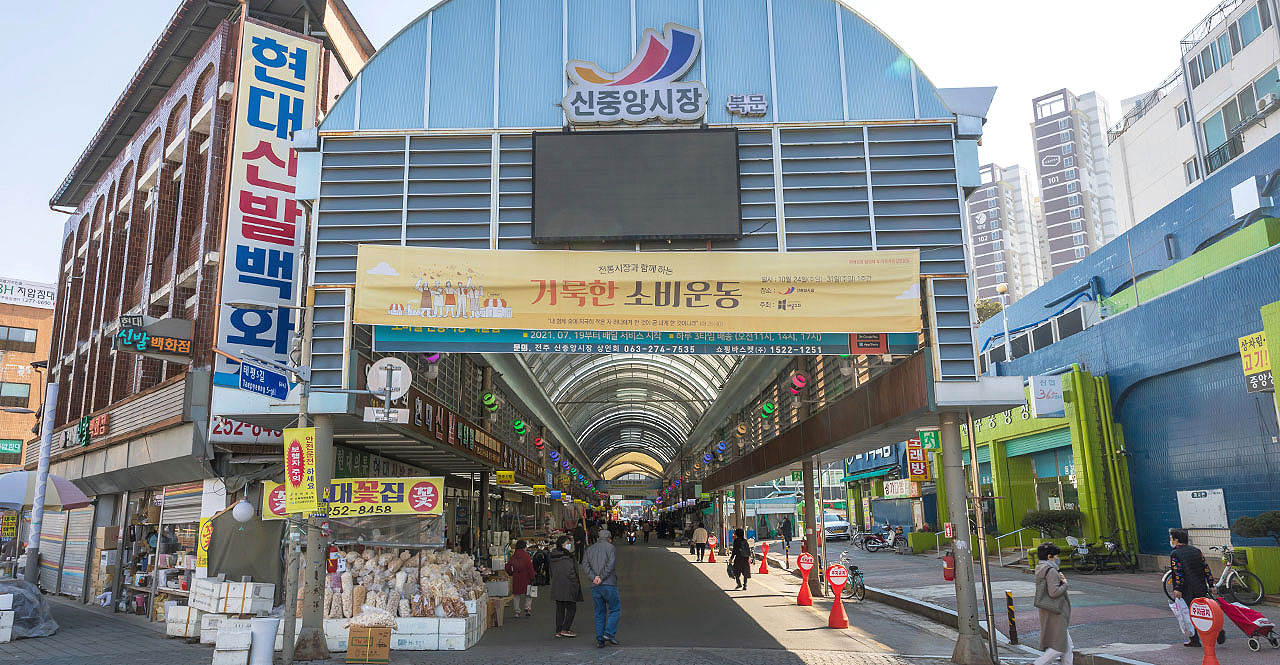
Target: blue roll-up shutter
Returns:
[[1034, 443]]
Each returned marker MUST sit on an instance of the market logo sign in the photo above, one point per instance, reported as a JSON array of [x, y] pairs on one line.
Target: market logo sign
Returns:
[[644, 90]]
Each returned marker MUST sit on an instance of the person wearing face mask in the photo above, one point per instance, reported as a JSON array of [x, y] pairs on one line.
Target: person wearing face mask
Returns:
[[566, 588], [1054, 605], [1191, 576]]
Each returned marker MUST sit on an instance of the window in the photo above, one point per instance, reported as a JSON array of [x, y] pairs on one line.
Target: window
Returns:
[[1065, 136], [1194, 68], [1250, 26], [1075, 213], [1071, 187], [1077, 239], [1215, 132], [1064, 123], [999, 257], [10, 451], [17, 339], [1071, 173], [1264, 11], [14, 394], [1067, 149], [1224, 48], [991, 203], [1267, 84], [1073, 200], [998, 266], [995, 235], [1082, 252], [1184, 113], [1192, 170], [1076, 226], [1068, 161], [1207, 65]]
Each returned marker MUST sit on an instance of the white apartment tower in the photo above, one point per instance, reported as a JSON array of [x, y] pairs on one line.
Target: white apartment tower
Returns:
[[1002, 234], [1212, 109], [1073, 163]]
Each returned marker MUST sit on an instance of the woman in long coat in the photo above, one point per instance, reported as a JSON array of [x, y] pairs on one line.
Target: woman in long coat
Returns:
[[741, 559], [1054, 605], [566, 588]]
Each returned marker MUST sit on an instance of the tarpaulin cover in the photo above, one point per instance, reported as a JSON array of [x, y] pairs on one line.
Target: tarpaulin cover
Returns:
[[31, 617]]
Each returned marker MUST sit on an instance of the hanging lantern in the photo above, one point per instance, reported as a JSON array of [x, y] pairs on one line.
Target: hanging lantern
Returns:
[[677, 482], [554, 456], [768, 410], [798, 382], [490, 402], [538, 442], [564, 464], [707, 458], [519, 427], [722, 446], [431, 358], [574, 472]]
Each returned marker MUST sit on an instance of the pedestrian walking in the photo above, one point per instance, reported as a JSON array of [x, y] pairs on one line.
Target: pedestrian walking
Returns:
[[740, 557], [520, 568], [1191, 576], [647, 528], [700, 541], [1054, 605], [601, 567], [786, 531], [688, 534], [580, 538], [566, 589]]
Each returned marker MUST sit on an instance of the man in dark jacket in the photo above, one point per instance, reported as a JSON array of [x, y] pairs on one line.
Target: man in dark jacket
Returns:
[[566, 589], [786, 531], [1191, 575], [580, 539]]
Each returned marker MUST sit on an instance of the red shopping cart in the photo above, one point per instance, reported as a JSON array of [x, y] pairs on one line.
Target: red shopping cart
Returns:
[[1256, 626]]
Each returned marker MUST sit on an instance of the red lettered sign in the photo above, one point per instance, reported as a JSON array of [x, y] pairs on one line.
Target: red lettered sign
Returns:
[[805, 561], [294, 463], [712, 541], [837, 575], [423, 497]]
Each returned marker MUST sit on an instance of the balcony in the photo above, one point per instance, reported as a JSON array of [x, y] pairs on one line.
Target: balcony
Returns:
[[1218, 157]]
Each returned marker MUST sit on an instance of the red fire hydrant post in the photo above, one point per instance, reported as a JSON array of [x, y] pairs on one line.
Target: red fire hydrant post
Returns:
[[837, 577], [764, 559], [949, 567], [805, 563]]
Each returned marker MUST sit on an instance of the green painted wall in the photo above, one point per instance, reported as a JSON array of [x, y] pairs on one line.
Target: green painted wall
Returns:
[[1271, 326], [1240, 245]]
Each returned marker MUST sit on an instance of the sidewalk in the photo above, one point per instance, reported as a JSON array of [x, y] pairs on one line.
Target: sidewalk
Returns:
[[1121, 614]]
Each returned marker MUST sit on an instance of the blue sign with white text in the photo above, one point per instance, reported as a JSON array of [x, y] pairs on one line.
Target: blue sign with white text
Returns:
[[264, 381], [412, 339]]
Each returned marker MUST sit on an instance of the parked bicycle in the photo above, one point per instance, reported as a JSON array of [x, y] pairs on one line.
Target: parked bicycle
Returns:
[[856, 587], [1236, 585], [1087, 560]]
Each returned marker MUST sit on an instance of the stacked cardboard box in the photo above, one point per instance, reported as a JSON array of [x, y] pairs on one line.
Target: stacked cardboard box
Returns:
[[368, 645]]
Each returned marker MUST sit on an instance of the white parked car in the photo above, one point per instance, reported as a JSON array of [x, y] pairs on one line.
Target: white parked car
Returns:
[[835, 527]]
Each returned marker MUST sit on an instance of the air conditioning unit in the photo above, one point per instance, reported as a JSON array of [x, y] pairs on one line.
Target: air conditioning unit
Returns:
[[1267, 102]]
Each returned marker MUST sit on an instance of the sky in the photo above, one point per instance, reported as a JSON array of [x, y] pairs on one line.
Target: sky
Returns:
[[69, 61]]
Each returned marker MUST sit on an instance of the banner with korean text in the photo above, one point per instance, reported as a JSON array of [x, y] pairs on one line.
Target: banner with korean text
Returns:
[[278, 78], [301, 495], [800, 292], [353, 497]]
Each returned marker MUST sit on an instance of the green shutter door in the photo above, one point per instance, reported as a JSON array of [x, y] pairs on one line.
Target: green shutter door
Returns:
[[1034, 443]]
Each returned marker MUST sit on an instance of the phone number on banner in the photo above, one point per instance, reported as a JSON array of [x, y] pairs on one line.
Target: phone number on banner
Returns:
[[353, 497]]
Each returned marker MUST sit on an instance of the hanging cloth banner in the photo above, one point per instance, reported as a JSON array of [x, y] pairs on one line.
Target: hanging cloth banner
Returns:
[[714, 292]]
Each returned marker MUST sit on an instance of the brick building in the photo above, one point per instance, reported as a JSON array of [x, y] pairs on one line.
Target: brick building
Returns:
[[145, 239], [26, 317]]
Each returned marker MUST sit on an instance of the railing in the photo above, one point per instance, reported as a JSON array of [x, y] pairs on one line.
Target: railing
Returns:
[[1224, 153], [1021, 546]]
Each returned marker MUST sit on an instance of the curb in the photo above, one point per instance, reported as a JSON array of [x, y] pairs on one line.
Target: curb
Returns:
[[948, 617]]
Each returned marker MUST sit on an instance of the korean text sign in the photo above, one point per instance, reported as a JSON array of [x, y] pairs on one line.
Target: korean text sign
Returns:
[[917, 462], [663, 291], [352, 497], [278, 76], [301, 495], [1256, 361]]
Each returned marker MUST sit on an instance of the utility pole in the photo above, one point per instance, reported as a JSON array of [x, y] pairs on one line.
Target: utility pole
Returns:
[[32, 572], [311, 641], [969, 649]]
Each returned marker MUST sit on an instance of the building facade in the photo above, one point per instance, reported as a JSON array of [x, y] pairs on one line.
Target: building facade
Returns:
[[1169, 349], [26, 317], [1003, 233], [1213, 108], [1074, 169]]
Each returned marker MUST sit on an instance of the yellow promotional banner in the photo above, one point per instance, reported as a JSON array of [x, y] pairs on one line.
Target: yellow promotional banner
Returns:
[[204, 536], [1256, 360], [300, 491], [706, 292], [506, 477], [539, 490], [9, 525], [353, 497]]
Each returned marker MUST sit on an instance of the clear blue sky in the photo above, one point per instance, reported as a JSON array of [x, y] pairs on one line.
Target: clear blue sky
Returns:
[[70, 59]]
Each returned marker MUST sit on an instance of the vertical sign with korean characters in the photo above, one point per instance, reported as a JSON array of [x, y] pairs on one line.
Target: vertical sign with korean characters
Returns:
[[1047, 400], [300, 491], [917, 462], [278, 83], [1256, 361]]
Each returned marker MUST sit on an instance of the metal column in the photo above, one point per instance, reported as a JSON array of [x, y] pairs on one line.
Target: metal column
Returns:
[[969, 649]]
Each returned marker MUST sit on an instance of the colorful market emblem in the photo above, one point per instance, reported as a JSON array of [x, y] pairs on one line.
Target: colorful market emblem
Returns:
[[646, 89]]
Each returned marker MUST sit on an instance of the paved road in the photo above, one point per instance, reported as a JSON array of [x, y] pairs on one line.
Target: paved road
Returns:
[[1116, 613], [674, 611]]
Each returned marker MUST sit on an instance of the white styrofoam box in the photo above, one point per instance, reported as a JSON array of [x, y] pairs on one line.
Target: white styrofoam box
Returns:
[[6, 602], [182, 621], [453, 626], [335, 642], [473, 623], [210, 621], [6, 618], [6, 634], [234, 634], [417, 626], [499, 587], [209, 636], [247, 597], [453, 643], [413, 642], [332, 627], [471, 607], [280, 640], [231, 657]]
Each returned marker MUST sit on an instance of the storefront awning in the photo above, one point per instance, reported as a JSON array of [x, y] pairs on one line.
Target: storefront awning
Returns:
[[865, 474]]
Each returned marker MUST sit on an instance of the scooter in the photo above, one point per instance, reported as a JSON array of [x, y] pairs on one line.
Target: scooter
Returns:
[[874, 542], [631, 537]]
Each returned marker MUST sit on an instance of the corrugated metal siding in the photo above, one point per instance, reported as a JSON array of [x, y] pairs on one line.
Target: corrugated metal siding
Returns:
[[657, 13], [328, 343], [400, 79], [515, 192], [75, 553], [1034, 443], [879, 75], [825, 189], [931, 105], [530, 67], [163, 404], [449, 191], [53, 535], [600, 32], [461, 65], [736, 45], [807, 61]]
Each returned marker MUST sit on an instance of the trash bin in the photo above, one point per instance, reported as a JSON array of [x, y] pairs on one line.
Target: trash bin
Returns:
[[263, 647]]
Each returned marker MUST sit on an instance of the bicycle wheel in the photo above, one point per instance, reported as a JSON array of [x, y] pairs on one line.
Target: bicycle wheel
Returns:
[[1245, 587], [859, 589], [1167, 583], [847, 591]]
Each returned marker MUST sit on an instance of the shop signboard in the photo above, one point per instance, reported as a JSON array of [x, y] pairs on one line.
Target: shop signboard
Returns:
[[204, 536], [506, 477], [555, 495], [278, 75], [917, 462], [1046, 397], [1256, 360], [646, 89], [930, 439], [901, 489], [353, 497], [300, 470], [9, 525], [27, 294], [262, 380], [730, 292], [539, 490], [162, 339], [867, 519], [416, 339]]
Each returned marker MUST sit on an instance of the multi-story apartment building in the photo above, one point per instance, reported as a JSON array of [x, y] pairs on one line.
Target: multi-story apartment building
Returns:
[[1002, 233], [1074, 172], [1212, 109], [26, 315]]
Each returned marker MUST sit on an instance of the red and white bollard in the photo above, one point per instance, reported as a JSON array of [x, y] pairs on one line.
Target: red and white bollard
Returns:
[[805, 562], [764, 559], [837, 577], [712, 541]]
